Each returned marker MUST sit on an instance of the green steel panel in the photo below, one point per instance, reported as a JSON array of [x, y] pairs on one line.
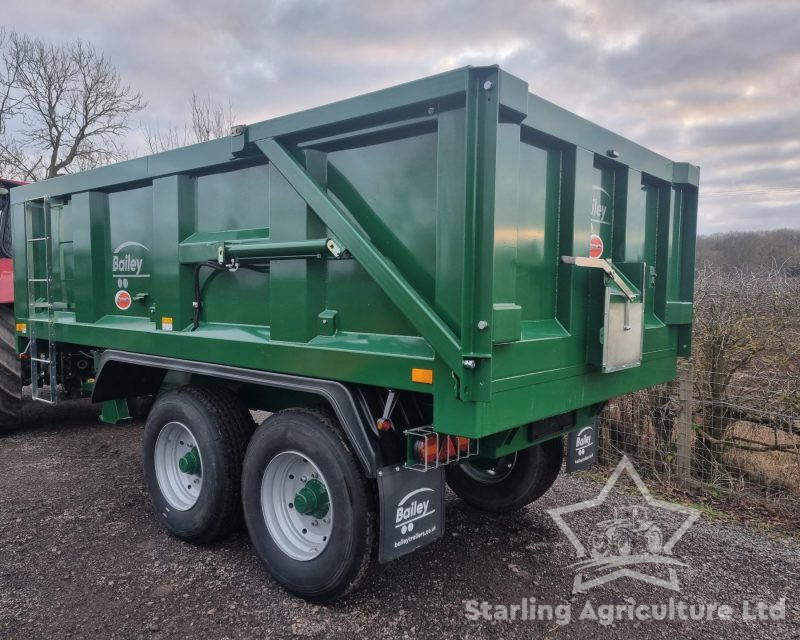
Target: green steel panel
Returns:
[[539, 179]]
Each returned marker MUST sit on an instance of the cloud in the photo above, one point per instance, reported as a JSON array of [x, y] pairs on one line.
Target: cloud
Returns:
[[713, 83]]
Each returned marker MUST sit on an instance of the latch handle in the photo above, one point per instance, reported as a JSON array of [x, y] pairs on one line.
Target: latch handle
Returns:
[[607, 268]]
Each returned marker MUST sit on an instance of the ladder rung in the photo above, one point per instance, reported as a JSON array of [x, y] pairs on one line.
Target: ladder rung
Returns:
[[44, 361], [49, 305]]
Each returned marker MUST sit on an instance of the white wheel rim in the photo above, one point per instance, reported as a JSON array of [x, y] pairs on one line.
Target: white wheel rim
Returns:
[[300, 536], [181, 490]]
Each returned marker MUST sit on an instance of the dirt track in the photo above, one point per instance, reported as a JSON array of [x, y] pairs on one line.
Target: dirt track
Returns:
[[81, 556]]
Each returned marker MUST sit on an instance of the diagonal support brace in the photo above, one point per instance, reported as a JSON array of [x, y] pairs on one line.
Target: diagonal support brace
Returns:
[[400, 292]]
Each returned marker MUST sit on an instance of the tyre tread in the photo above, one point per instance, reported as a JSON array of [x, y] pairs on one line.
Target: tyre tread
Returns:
[[235, 426], [10, 372]]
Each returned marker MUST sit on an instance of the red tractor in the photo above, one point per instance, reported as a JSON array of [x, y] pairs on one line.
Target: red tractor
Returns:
[[10, 369]]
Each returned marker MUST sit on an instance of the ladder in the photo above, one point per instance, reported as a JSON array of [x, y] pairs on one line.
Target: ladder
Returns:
[[39, 271]]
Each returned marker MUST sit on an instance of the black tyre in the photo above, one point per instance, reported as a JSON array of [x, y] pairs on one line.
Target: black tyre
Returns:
[[508, 483], [10, 372], [195, 439], [308, 507]]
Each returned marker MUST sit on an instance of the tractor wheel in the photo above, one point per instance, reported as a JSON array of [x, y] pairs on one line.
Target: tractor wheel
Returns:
[[195, 439], [307, 505], [10, 372], [508, 483]]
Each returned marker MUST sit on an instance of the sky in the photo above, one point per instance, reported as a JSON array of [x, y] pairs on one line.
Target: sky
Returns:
[[715, 83]]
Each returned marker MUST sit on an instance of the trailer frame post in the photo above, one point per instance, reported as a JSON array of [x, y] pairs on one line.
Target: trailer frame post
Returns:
[[174, 217], [684, 422]]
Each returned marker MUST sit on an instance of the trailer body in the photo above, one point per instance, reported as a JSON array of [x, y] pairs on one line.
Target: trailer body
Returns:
[[450, 202]]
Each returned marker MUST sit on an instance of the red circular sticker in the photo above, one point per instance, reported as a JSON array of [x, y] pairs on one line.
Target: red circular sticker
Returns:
[[123, 300], [595, 246]]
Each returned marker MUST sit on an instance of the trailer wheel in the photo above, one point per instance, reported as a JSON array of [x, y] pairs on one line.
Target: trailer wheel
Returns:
[[508, 483], [307, 505], [194, 444], [10, 372]]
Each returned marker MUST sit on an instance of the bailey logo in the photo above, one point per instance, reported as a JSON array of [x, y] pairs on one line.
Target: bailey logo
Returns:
[[583, 440], [595, 246], [598, 208], [410, 510], [127, 260], [123, 300], [639, 534]]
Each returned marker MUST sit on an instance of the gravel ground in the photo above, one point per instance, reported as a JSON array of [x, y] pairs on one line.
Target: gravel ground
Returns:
[[81, 556]]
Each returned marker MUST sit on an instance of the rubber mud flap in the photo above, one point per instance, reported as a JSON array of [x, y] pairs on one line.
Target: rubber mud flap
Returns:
[[582, 448], [412, 510]]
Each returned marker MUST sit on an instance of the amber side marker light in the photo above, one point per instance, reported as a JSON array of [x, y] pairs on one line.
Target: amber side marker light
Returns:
[[423, 376]]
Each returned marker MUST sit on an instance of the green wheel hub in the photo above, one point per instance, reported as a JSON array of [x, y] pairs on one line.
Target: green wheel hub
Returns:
[[312, 499], [190, 462]]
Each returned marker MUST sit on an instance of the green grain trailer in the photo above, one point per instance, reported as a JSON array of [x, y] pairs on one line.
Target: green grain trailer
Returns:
[[441, 280]]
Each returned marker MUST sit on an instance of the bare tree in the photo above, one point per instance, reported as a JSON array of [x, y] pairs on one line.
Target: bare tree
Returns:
[[207, 121], [10, 57], [746, 331], [12, 155], [71, 107], [210, 120]]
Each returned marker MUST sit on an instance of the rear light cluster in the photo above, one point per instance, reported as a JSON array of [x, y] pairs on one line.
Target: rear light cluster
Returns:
[[431, 448], [428, 449]]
